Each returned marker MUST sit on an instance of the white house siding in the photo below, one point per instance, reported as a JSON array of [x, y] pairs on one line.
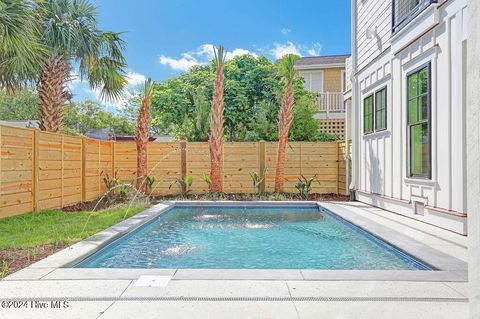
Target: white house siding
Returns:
[[375, 15], [382, 156]]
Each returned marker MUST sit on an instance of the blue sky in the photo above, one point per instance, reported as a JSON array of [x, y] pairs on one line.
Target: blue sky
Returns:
[[166, 37]]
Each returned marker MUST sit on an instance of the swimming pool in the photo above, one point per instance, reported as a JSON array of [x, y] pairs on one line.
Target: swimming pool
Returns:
[[251, 237]]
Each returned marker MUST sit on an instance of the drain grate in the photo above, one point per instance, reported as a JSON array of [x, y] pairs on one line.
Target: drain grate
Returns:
[[251, 299]]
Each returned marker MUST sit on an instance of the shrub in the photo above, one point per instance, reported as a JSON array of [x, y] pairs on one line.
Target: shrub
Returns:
[[304, 184]]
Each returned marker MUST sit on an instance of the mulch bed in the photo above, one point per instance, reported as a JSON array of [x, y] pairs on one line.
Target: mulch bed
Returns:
[[86, 206], [255, 197], [79, 207], [19, 258]]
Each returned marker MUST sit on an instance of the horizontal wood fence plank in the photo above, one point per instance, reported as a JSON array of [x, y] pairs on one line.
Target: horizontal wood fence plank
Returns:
[[70, 166]]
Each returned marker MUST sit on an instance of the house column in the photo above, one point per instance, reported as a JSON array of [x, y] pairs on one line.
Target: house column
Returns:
[[473, 154]]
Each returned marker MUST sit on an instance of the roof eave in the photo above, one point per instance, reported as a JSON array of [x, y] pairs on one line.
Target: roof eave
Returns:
[[320, 66]]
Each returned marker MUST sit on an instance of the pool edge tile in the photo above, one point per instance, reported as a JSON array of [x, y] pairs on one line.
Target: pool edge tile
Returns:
[[238, 274], [105, 273]]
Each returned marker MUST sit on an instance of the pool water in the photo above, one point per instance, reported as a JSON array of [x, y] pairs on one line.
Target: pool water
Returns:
[[250, 238]]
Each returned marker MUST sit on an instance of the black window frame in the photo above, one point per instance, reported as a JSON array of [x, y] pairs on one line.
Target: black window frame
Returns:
[[373, 96], [385, 104], [427, 121], [370, 96], [412, 14]]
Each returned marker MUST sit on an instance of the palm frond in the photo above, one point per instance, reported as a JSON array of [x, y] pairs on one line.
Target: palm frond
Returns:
[[286, 67], [148, 87], [21, 54], [219, 55], [69, 27], [107, 76]]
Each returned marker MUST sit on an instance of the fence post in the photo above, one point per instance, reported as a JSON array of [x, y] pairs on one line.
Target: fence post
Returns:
[[113, 157], [83, 176], [261, 164], [183, 162], [337, 166], [62, 179], [35, 169], [347, 168]]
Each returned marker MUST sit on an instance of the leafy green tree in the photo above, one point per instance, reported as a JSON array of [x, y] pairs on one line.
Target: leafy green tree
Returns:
[[21, 106], [263, 125], [253, 91], [202, 116], [85, 116], [304, 126], [248, 80]]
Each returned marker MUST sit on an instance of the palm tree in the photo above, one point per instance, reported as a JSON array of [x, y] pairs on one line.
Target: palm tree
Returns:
[[21, 54], [286, 68], [142, 135], [216, 122], [69, 32]]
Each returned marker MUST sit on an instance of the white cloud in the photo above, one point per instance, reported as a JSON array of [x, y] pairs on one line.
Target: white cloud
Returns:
[[202, 55], [279, 50], [315, 49], [205, 50], [183, 64], [238, 52], [96, 92], [135, 78], [285, 31]]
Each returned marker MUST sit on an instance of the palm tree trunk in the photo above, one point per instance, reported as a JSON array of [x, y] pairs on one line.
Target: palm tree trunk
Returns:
[[285, 118], [142, 135], [216, 132], [53, 92]]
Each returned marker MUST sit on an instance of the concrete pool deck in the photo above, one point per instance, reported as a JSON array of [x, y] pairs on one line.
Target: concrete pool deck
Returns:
[[123, 293]]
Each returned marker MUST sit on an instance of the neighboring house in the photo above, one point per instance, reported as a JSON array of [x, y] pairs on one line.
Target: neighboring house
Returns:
[[325, 75], [108, 135], [22, 124], [408, 108], [100, 134], [130, 138]]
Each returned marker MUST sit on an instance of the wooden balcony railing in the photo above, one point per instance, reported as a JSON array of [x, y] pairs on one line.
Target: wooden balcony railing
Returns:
[[331, 102]]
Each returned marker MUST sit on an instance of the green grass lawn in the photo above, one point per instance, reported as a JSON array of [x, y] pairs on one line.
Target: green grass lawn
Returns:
[[57, 227]]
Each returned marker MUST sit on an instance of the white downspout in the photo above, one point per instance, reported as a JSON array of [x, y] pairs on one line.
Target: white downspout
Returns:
[[354, 105], [473, 154]]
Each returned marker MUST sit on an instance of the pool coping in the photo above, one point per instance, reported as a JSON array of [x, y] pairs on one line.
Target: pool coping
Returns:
[[56, 266]]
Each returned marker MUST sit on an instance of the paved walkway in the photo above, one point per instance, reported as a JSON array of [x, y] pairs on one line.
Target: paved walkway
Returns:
[[253, 298], [349, 299]]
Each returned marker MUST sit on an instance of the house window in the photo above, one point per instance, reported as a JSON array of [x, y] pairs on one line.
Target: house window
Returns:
[[381, 109], [375, 111], [344, 81], [418, 110], [368, 114], [313, 80], [406, 10]]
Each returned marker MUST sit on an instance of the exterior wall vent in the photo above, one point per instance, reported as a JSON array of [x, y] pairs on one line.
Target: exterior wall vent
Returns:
[[419, 208]]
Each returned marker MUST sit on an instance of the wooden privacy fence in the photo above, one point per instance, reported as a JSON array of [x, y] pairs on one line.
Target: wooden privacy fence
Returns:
[[40, 170]]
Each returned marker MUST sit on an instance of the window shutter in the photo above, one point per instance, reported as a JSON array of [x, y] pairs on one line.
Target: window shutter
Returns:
[[317, 81]]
